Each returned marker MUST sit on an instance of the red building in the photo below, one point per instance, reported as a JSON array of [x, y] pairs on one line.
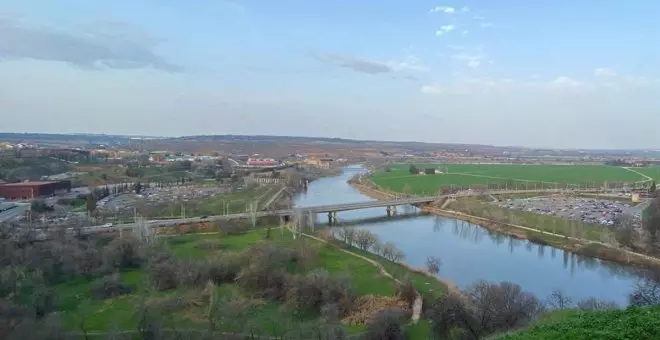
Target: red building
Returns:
[[33, 189]]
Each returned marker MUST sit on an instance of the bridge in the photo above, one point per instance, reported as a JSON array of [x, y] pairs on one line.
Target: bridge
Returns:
[[330, 209]]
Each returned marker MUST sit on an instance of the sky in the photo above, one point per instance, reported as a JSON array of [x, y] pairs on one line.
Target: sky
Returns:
[[564, 74]]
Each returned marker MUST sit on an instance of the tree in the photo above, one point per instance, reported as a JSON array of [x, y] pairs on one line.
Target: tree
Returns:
[[433, 264], [652, 188], [593, 304], [484, 309], [625, 232], [386, 325], [413, 169], [90, 202], [559, 300], [138, 188], [646, 292], [364, 239], [252, 210]]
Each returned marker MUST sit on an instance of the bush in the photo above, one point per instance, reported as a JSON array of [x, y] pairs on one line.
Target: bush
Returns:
[[493, 308], [123, 253], [407, 292], [108, 287], [309, 293], [164, 275], [593, 304], [386, 325]]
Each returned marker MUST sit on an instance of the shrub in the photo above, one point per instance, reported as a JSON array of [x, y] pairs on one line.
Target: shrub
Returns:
[[307, 294], [123, 253], [164, 275], [109, 286], [264, 272], [407, 292], [593, 304], [386, 325]]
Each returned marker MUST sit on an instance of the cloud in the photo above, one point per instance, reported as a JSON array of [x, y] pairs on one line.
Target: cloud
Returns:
[[486, 24], [604, 72], [465, 9], [472, 60], [98, 48], [443, 9], [561, 85], [410, 63], [355, 64], [445, 29]]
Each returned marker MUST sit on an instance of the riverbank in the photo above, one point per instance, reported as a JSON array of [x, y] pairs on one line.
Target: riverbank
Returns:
[[575, 245]]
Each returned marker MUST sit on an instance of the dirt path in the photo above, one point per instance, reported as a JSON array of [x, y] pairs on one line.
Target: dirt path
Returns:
[[417, 304], [639, 173]]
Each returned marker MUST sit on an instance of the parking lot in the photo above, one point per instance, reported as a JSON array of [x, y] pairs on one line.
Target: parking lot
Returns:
[[589, 210]]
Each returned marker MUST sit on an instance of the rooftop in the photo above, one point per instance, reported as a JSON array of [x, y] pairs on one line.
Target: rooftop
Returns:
[[28, 183]]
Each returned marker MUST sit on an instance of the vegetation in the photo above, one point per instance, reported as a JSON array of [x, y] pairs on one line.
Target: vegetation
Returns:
[[235, 283], [20, 169], [632, 323]]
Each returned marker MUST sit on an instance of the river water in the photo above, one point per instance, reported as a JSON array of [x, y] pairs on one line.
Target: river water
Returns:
[[469, 252]]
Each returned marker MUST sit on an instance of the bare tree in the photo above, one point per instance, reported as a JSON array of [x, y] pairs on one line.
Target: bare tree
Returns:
[[625, 231], [364, 239], [349, 236], [377, 247], [433, 264], [646, 292], [386, 325], [559, 300], [593, 304], [484, 309], [252, 210]]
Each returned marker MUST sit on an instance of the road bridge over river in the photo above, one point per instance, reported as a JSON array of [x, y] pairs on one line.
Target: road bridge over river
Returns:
[[330, 209]]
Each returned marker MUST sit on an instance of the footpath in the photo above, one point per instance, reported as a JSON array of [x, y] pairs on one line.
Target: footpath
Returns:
[[417, 304]]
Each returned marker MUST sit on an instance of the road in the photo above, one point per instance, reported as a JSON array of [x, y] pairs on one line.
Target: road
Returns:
[[314, 209]]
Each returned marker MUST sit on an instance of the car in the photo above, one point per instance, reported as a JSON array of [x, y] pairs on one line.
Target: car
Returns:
[[203, 217], [107, 225]]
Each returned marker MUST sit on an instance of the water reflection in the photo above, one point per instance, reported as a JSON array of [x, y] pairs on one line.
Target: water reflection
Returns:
[[470, 252]]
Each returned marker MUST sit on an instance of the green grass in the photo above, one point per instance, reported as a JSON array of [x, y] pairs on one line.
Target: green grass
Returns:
[[121, 313], [512, 176], [631, 324]]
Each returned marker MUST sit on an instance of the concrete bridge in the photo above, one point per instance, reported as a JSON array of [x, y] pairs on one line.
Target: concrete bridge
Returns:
[[330, 209]]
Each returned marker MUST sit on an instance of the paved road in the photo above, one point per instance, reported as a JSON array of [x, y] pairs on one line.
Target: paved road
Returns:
[[314, 209]]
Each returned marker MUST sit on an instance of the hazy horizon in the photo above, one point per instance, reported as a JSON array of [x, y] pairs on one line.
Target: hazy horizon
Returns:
[[549, 75]]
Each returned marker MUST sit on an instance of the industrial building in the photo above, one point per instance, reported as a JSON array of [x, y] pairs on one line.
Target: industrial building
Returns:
[[33, 189]]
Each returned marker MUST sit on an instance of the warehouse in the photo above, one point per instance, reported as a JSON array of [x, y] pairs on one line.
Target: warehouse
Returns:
[[33, 189]]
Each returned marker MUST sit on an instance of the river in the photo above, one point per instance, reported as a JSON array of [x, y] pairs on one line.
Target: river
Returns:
[[470, 252]]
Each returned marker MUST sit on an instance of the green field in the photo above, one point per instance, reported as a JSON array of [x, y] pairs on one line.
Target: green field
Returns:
[[122, 313], [511, 176], [632, 323]]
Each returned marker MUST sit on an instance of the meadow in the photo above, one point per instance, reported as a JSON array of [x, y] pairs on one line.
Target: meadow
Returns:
[[80, 310], [512, 176]]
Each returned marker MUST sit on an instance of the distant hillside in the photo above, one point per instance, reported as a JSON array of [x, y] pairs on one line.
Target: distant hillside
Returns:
[[20, 169]]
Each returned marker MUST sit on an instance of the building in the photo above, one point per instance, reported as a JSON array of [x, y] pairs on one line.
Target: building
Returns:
[[33, 189]]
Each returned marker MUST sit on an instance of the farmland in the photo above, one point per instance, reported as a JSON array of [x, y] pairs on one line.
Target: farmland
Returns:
[[513, 176]]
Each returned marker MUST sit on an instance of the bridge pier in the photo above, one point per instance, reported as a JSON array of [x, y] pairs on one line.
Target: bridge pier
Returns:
[[391, 210], [332, 217]]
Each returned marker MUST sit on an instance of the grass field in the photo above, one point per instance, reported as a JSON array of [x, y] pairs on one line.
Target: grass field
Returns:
[[121, 313], [512, 176], [632, 323]]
